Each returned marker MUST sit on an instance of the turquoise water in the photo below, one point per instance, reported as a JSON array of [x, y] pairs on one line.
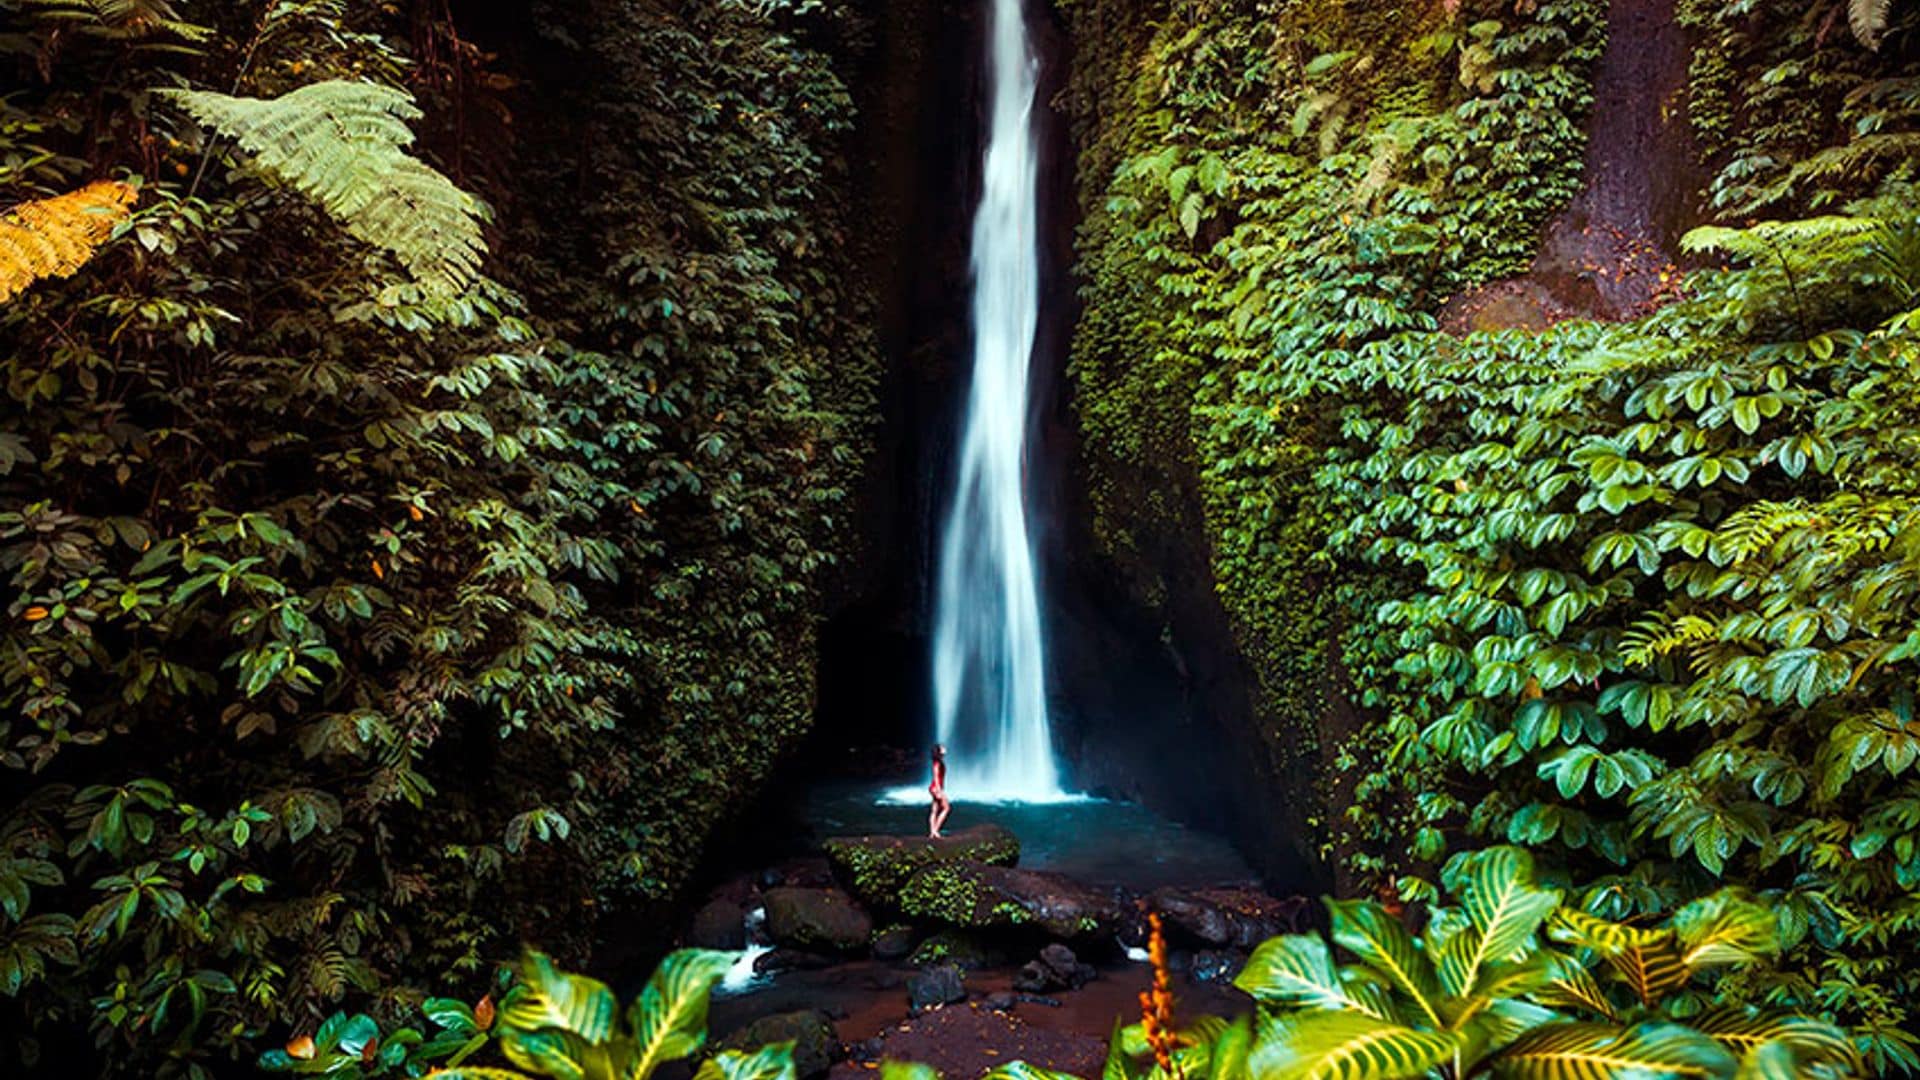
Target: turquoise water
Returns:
[[1092, 840]]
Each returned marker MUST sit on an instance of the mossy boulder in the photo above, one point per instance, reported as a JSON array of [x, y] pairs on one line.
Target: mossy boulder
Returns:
[[877, 868], [815, 1042], [977, 896], [817, 919]]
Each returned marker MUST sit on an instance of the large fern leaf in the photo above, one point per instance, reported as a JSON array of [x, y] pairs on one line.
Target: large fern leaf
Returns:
[[1869, 20], [119, 19], [343, 145], [55, 237]]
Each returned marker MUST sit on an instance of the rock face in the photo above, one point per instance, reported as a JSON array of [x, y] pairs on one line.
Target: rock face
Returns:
[[1227, 917], [978, 896], [815, 1042], [1216, 965], [944, 984], [894, 943], [817, 919], [876, 868]]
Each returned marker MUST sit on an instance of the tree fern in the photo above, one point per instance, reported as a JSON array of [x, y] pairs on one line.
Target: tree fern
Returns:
[[55, 237], [1869, 20], [342, 144], [119, 19]]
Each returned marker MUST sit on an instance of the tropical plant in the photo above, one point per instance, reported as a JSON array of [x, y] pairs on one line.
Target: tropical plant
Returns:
[[55, 237], [343, 144], [1485, 988]]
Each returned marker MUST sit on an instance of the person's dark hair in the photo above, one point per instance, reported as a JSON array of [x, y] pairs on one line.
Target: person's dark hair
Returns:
[[939, 752]]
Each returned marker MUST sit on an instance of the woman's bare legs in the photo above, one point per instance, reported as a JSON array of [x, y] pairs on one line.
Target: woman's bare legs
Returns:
[[937, 817]]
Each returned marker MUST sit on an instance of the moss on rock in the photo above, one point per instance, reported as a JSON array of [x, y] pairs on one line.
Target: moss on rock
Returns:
[[877, 868]]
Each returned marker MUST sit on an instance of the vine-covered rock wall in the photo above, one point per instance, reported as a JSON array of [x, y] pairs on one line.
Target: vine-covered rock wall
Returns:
[[1634, 594]]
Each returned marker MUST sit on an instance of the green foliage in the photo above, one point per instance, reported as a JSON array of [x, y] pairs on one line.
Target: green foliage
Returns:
[[343, 144], [1482, 989], [361, 607]]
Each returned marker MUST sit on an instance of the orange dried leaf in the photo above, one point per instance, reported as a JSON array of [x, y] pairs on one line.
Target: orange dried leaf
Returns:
[[483, 1013], [36, 613], [301, 1048]]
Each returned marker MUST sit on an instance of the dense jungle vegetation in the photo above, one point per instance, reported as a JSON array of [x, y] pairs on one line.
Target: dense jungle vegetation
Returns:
[[428, 430], [411, 529], [1638, 594]]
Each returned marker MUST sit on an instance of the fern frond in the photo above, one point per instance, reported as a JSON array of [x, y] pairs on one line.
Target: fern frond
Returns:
[[1869, 20], [342, 144], [120, 19], [55, 237]]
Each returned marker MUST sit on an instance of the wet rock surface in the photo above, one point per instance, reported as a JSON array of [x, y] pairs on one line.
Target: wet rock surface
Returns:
[[1228, 917], [876, 868], [1057, 968], [721, 924], [984, 897], [818, 919], [942, 984], [816, 1044]]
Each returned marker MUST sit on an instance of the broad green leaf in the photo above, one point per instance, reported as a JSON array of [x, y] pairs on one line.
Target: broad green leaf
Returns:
[[1233, 1052], [1496, 888], [1294, 972], [774, 1062], [1803, 1039], [552, 999], [1346, 1046], [669, 1020], [904, 1070], [1020, 1070], [1583, 1051], [1377, 938]]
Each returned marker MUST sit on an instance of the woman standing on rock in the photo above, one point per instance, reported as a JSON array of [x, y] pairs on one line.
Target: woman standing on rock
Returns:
[[938, 789]]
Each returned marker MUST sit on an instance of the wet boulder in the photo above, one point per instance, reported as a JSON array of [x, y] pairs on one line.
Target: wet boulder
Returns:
[[876, 868], [815, 1042], [1216, 965], [957, 947], [721, 924], [978, 896], [894, 943], [817, 919], [775, 961], [1057, 968], [942, 984], [1227, 917]]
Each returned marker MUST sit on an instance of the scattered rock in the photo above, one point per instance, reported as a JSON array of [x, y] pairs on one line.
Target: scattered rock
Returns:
[[810, 872], [1040, 999], [894, 943], [790, 960], [979, 896], [817, 919], [1004, 1001], [1056, 969], [868, 1050], [815, 1042], [942, 984], [876, 868], [721, 924], [1216, 965]]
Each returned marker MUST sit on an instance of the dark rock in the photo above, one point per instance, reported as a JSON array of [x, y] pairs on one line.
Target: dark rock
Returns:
[[790, 960], [1056, 969], [895, 943], [876, 868], [1216, 965], [817, 919], [943, 984], [815, 1042], [982, 897], [954, 947], [721, 924], [868, 1050], [1040, 999], [1002, 1001], [811, 872], [1227, 917]]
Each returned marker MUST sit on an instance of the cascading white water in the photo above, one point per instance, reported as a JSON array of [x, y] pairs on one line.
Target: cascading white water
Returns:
[[989, 653]]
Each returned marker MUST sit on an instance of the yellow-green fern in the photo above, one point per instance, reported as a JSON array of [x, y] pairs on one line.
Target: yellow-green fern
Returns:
[[342, 144], [55, 237]]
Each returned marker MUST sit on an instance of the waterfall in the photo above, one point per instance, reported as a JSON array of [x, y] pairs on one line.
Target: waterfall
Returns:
[[989, 652]]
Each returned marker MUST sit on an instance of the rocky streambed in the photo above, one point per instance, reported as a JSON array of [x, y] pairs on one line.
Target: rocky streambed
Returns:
[[949, 952]]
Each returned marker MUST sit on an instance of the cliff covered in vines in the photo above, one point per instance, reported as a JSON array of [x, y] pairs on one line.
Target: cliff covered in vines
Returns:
[[1635, 593], [368, 612]]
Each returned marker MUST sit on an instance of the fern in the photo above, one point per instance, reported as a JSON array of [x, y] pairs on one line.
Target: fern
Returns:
[[55, 237], [120, 20], [1869, 20], [342, 144]]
